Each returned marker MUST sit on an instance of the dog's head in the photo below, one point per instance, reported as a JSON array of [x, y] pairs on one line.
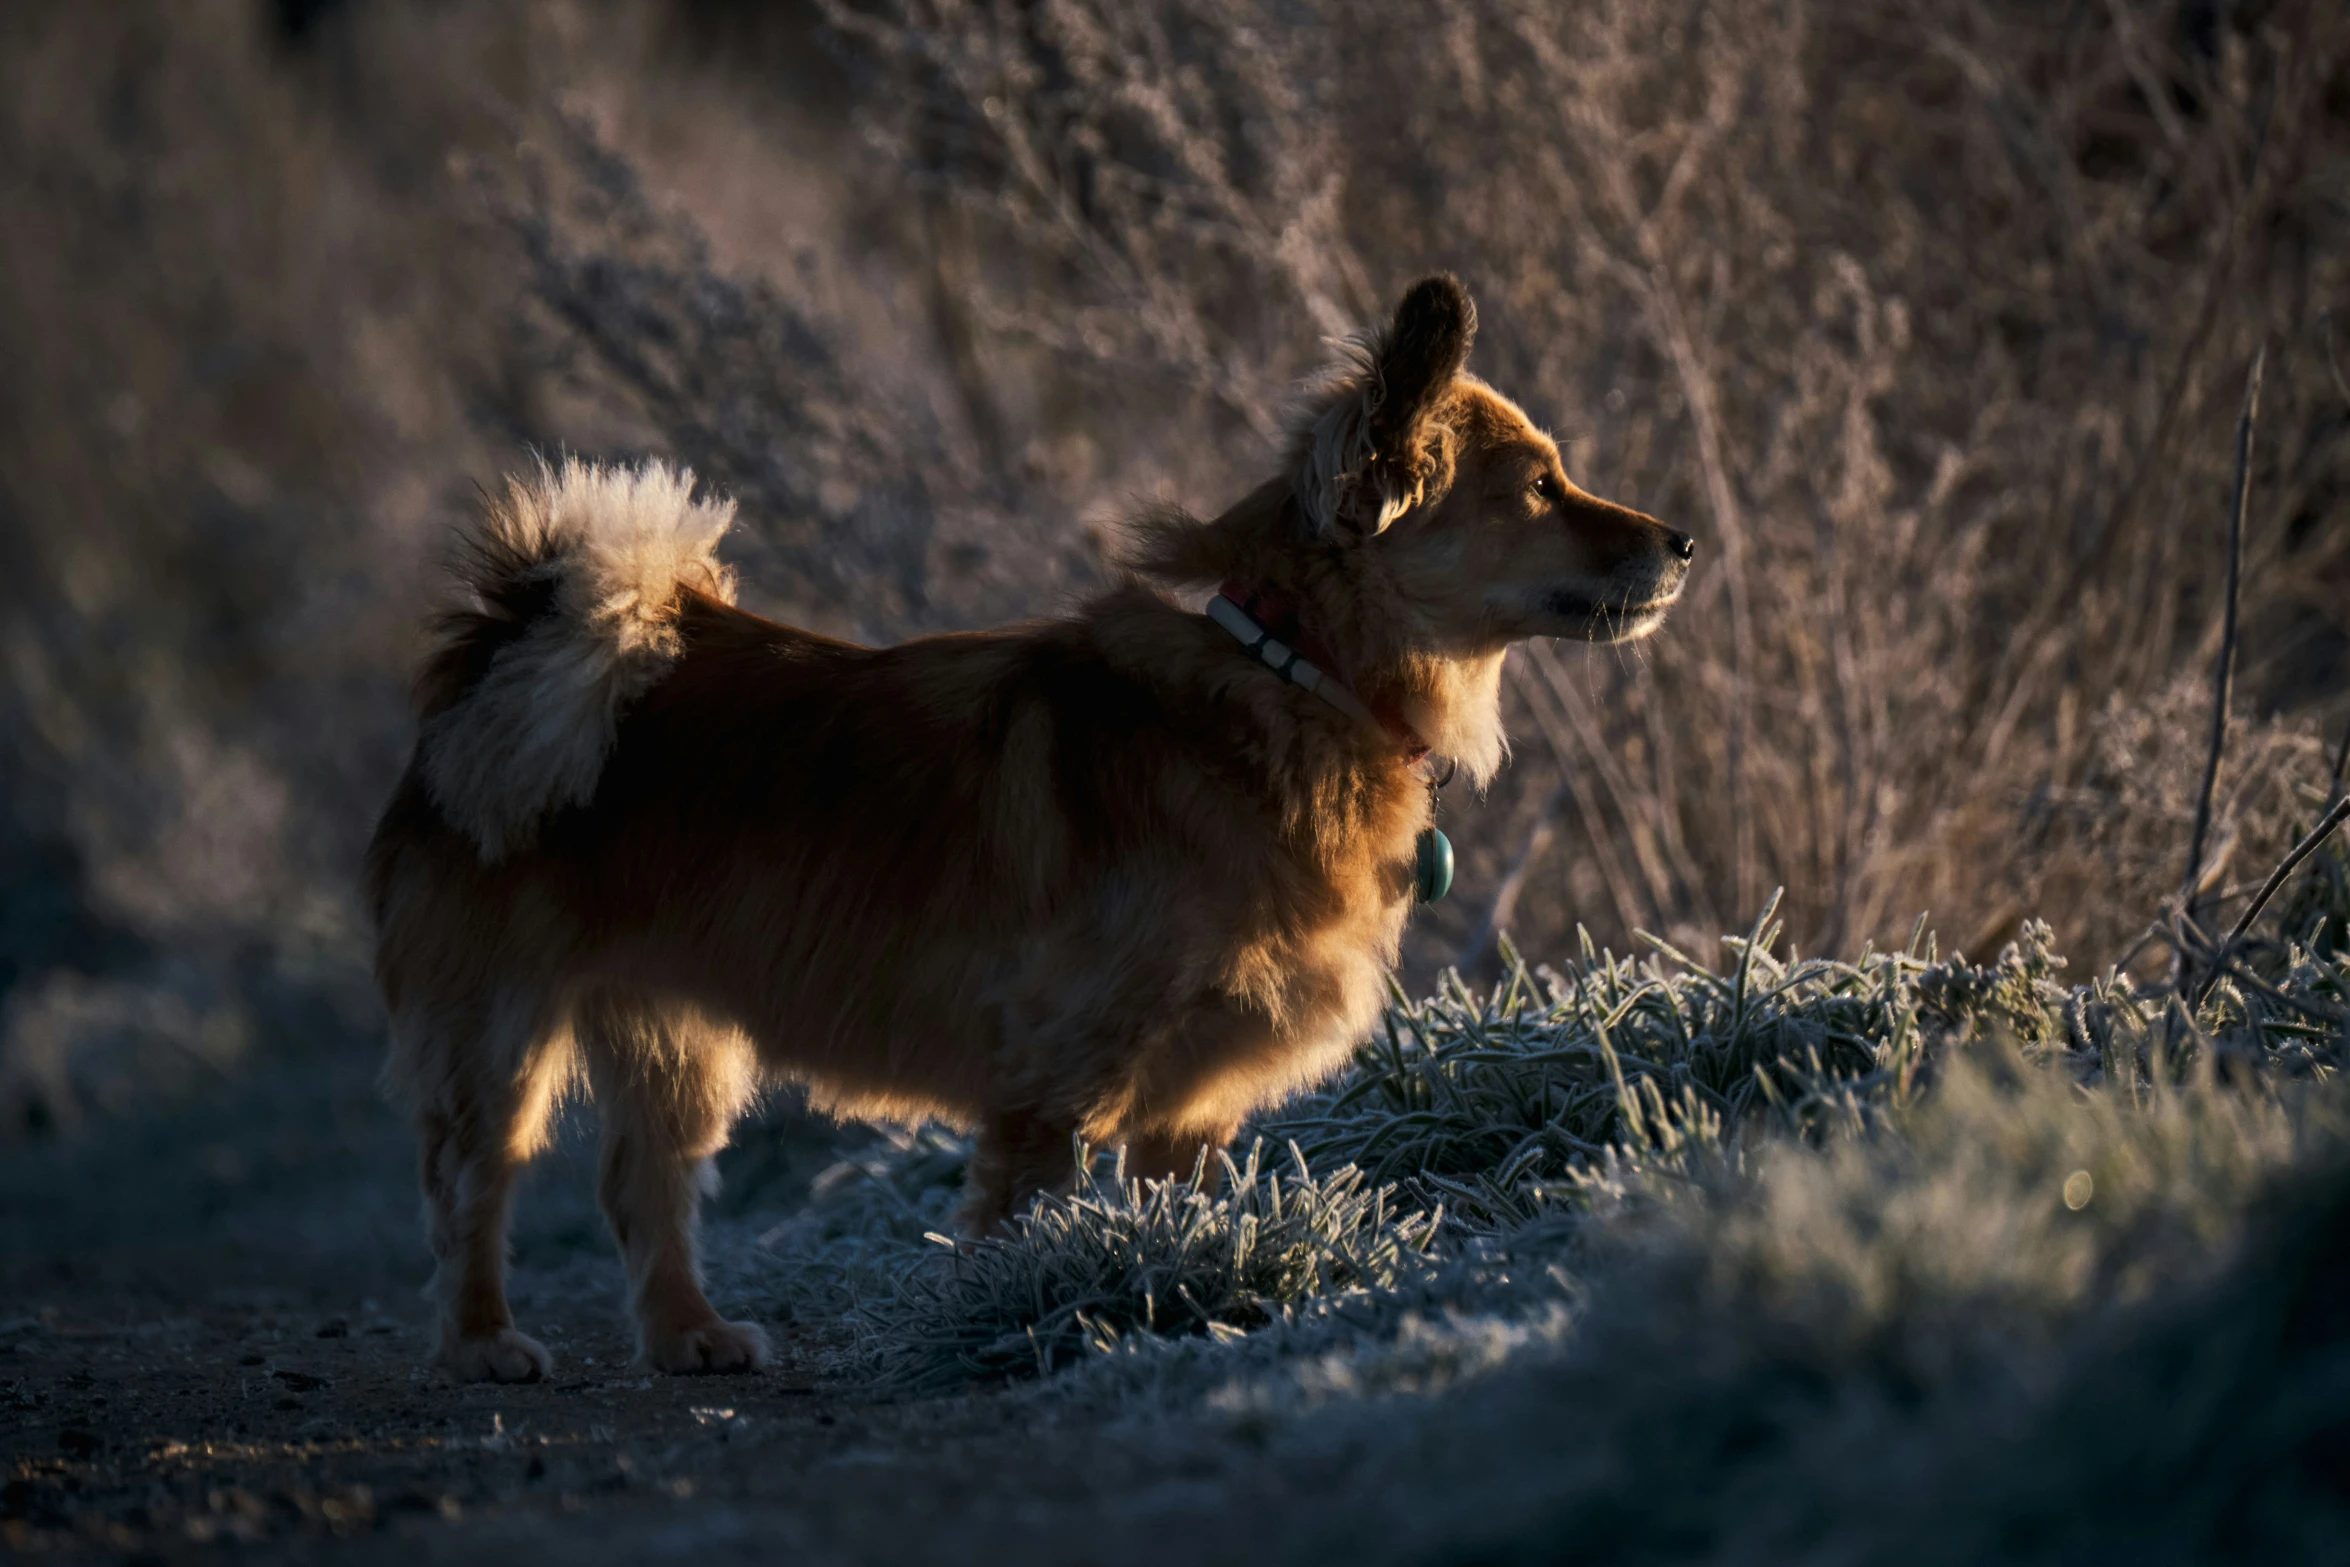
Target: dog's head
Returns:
[[1445, 491], [1422, 525]]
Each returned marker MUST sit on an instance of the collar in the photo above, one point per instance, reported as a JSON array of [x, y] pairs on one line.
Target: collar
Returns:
[[1251, 617]]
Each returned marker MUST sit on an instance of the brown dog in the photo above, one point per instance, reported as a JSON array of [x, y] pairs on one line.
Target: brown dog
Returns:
[[1108, 875]]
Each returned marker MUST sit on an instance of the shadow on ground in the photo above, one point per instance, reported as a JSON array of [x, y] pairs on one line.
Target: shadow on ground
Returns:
[[211, 1331]]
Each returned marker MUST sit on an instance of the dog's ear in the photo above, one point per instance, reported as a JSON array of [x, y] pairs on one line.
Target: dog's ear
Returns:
[[1419, 355], [1373, 453]]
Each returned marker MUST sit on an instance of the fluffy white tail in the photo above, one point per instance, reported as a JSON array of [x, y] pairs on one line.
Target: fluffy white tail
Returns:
[[573, 577]]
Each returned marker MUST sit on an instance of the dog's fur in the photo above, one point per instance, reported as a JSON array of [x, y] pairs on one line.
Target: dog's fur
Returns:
[[1102, 875]]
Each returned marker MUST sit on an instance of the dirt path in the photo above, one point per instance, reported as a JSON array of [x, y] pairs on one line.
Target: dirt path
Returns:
[[211, 1338]]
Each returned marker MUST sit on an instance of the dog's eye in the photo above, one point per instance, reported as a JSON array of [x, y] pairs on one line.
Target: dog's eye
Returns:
[[1543, 488]]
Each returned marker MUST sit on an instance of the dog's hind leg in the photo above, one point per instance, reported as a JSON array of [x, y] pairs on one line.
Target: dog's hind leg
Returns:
[[669, 1085], [486, 1078]]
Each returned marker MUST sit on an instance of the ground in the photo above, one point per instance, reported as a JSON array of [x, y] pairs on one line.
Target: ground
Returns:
[[212, 1335]]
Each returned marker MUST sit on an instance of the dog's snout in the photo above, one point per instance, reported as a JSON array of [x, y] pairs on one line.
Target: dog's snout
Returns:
[[1681, 544]]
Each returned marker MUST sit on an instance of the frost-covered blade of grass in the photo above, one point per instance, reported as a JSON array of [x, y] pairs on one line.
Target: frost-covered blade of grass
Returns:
[[859, 1231], [1490, 1102], [2016, 1321], [1445, 1178], [1165, 1257]]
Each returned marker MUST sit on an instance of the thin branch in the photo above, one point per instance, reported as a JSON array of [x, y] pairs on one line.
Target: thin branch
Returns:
[[2224, 677], [2301, 851], [2325, 335], [2032, 646], [2307, 1002], [1697, 385], [1566, 747], [1648, 820]]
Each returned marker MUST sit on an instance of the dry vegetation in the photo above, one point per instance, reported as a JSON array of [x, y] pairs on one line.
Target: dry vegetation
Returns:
[[1932, 320]]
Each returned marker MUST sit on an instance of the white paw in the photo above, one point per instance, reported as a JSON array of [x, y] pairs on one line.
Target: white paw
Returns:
[[709, 1346], [503, 1356]]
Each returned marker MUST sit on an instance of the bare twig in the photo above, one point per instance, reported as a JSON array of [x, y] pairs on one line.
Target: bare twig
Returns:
[[1572, 753], [2224, 678], [2324, 829], [2032, 646], [1697, 384], [1657, 848], [2341, 773], [2325, 335], [2308, 1003]]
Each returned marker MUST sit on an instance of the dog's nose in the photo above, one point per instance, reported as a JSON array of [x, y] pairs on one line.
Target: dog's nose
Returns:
[[1680, 544]]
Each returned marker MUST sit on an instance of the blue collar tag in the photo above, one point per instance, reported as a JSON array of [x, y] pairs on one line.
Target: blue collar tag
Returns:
[[1432, 870]]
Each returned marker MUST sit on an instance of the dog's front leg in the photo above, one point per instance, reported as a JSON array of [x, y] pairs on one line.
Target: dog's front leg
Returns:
[[1017, 1153], [1075, 1033], [1162, 1154]]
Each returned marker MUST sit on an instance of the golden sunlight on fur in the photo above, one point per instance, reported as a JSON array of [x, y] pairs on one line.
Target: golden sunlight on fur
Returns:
[[609, 550], [1102, 876]]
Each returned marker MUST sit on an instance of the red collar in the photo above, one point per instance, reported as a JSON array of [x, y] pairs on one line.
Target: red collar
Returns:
[[1280, 619]]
